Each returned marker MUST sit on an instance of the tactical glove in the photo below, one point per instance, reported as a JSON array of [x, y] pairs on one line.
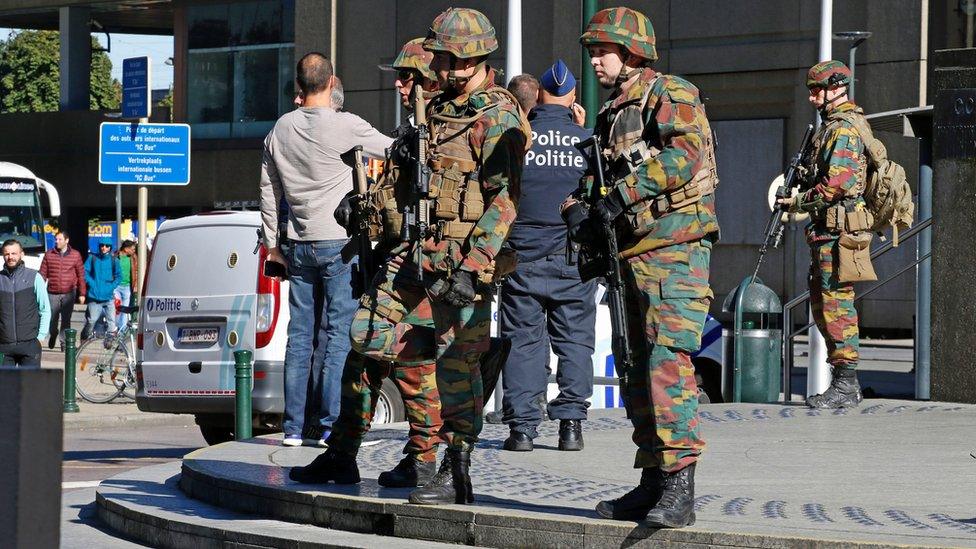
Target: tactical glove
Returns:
[[578, 225], [460, 289], [345, 213], [608, 208], [402, 151]]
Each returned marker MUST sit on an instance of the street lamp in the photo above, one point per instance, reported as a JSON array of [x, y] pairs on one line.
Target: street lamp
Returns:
[[855, 38]]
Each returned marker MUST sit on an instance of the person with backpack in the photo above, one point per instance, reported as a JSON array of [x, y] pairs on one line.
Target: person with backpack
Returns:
[[102, 275], [840, 230]]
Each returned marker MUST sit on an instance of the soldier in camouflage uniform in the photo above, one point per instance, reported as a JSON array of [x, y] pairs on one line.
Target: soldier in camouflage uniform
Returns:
[[836, 167], [662, 205], [478, 141]]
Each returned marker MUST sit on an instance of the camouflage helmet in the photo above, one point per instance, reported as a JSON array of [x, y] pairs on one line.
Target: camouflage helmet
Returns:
[[414, 57], [628, 28], [463, 32], [828, 73]]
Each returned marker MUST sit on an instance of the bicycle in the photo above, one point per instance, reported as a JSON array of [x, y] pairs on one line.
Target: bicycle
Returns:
[[106, 367]]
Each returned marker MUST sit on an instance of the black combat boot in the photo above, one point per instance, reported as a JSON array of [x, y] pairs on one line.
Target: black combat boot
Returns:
[[676, 508], [844, 391], [518, 441], [409, 473], [451, 484], [329, 466], [635, 504], [570, 435]]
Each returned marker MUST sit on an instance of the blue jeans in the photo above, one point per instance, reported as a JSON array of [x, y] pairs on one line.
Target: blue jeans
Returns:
[[124, 295], [322, 304], [96, 310]]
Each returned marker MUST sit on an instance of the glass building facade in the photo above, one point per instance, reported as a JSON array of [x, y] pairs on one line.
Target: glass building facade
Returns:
[[240, 74]]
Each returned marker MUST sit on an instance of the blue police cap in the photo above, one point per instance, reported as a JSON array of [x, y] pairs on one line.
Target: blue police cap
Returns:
[[558, 79]]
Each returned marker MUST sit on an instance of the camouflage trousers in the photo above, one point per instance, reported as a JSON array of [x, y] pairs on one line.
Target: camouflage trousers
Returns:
[[398, 322], [667, 301], [832, 303], [362, 379]]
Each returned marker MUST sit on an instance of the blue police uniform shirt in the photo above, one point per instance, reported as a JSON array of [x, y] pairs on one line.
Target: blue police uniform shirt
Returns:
[[553, 168]]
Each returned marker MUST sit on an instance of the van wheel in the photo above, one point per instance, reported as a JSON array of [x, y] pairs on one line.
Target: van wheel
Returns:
[[389, 405], [217, 434], [708, 374]]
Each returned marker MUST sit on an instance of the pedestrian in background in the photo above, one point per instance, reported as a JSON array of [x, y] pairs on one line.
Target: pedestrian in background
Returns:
[[25, 311], [129, 283], [64, 271], [544, 303], [302, 166], [525, 88], [102, 276]]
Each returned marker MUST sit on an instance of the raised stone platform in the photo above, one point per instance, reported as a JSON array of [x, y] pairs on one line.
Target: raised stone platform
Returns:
[[889, 473]]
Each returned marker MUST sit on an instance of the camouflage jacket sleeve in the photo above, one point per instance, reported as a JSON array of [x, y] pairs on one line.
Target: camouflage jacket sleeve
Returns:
[[839, 160], [499, 142], [680, 118]]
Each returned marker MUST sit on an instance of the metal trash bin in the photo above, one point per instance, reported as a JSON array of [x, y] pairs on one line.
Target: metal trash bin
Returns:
[[755, 343]]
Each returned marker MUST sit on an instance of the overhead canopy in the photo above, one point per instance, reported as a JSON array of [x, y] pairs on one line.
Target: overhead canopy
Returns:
[[119, 16]]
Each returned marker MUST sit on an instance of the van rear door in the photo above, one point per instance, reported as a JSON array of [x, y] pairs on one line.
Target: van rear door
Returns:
[[199, 306]]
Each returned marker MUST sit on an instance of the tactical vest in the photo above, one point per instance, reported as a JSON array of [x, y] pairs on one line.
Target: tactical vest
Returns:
[[632, 139], [819, 140]]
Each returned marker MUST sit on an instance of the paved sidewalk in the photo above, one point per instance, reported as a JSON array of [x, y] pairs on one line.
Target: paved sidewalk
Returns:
[[889, 473]]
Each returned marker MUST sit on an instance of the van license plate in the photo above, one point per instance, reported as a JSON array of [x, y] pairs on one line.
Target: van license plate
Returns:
[[198, 335]]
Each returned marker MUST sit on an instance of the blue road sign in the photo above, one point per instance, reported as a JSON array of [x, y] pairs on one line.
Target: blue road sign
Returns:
[[136, 95], [143, 154]]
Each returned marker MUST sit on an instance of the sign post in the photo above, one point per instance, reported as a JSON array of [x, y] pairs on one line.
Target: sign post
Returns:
[[136, 104], [143, 154]]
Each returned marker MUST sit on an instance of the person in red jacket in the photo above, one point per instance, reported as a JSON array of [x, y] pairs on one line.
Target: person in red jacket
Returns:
[[64, 272]]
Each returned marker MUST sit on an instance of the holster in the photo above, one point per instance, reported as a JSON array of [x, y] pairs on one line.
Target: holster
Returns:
[[854, 251]]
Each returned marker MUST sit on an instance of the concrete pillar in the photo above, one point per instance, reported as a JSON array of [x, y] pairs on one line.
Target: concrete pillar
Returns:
[[30, 451], [953, 254], [75, 58]]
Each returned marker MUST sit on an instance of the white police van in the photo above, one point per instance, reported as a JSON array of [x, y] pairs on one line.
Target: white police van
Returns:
[[205, 296]]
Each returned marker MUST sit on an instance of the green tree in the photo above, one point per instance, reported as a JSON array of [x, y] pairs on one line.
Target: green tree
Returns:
[[29, 74]]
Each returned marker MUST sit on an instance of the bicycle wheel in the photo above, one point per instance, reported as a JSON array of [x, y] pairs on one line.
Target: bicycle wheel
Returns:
[[125, 378], [95, 373]]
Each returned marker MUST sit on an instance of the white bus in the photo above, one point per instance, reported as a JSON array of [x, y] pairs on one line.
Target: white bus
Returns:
[[21, 216]]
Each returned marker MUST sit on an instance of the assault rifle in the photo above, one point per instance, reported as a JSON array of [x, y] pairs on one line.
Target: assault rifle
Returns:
[[361, 215], [774, 227], [416, 215], [596, 260]]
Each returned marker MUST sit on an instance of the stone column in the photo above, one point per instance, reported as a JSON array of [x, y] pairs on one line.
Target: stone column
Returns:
[[75, 58], [954, 215], [30, 451]]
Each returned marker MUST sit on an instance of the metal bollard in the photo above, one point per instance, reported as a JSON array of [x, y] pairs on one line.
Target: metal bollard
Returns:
[[70, 404], [242, 397]]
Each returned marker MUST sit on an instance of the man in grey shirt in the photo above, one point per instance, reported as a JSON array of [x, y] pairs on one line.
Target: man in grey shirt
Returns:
[[302, 166]]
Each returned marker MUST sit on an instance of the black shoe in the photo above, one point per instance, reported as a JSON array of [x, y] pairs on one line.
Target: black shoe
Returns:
[[635, 504], [570, 435], [676, 508], [518, 441], [409, 473], [329, 465], [844, 391], [451, 484]]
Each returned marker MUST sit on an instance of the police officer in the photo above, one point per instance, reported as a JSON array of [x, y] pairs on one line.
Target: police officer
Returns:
[[433, 305], [661, 168], [836, 168], [544, 302]]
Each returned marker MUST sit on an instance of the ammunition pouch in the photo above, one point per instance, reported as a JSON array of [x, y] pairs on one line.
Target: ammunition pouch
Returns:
[[456, 192], [854, 257], [371, 303]]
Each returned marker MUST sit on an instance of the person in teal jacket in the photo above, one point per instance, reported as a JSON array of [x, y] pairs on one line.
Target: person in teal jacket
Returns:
[[102, 275]]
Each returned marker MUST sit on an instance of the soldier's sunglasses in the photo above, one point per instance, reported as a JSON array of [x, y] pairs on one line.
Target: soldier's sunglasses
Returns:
[[404, 75]]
